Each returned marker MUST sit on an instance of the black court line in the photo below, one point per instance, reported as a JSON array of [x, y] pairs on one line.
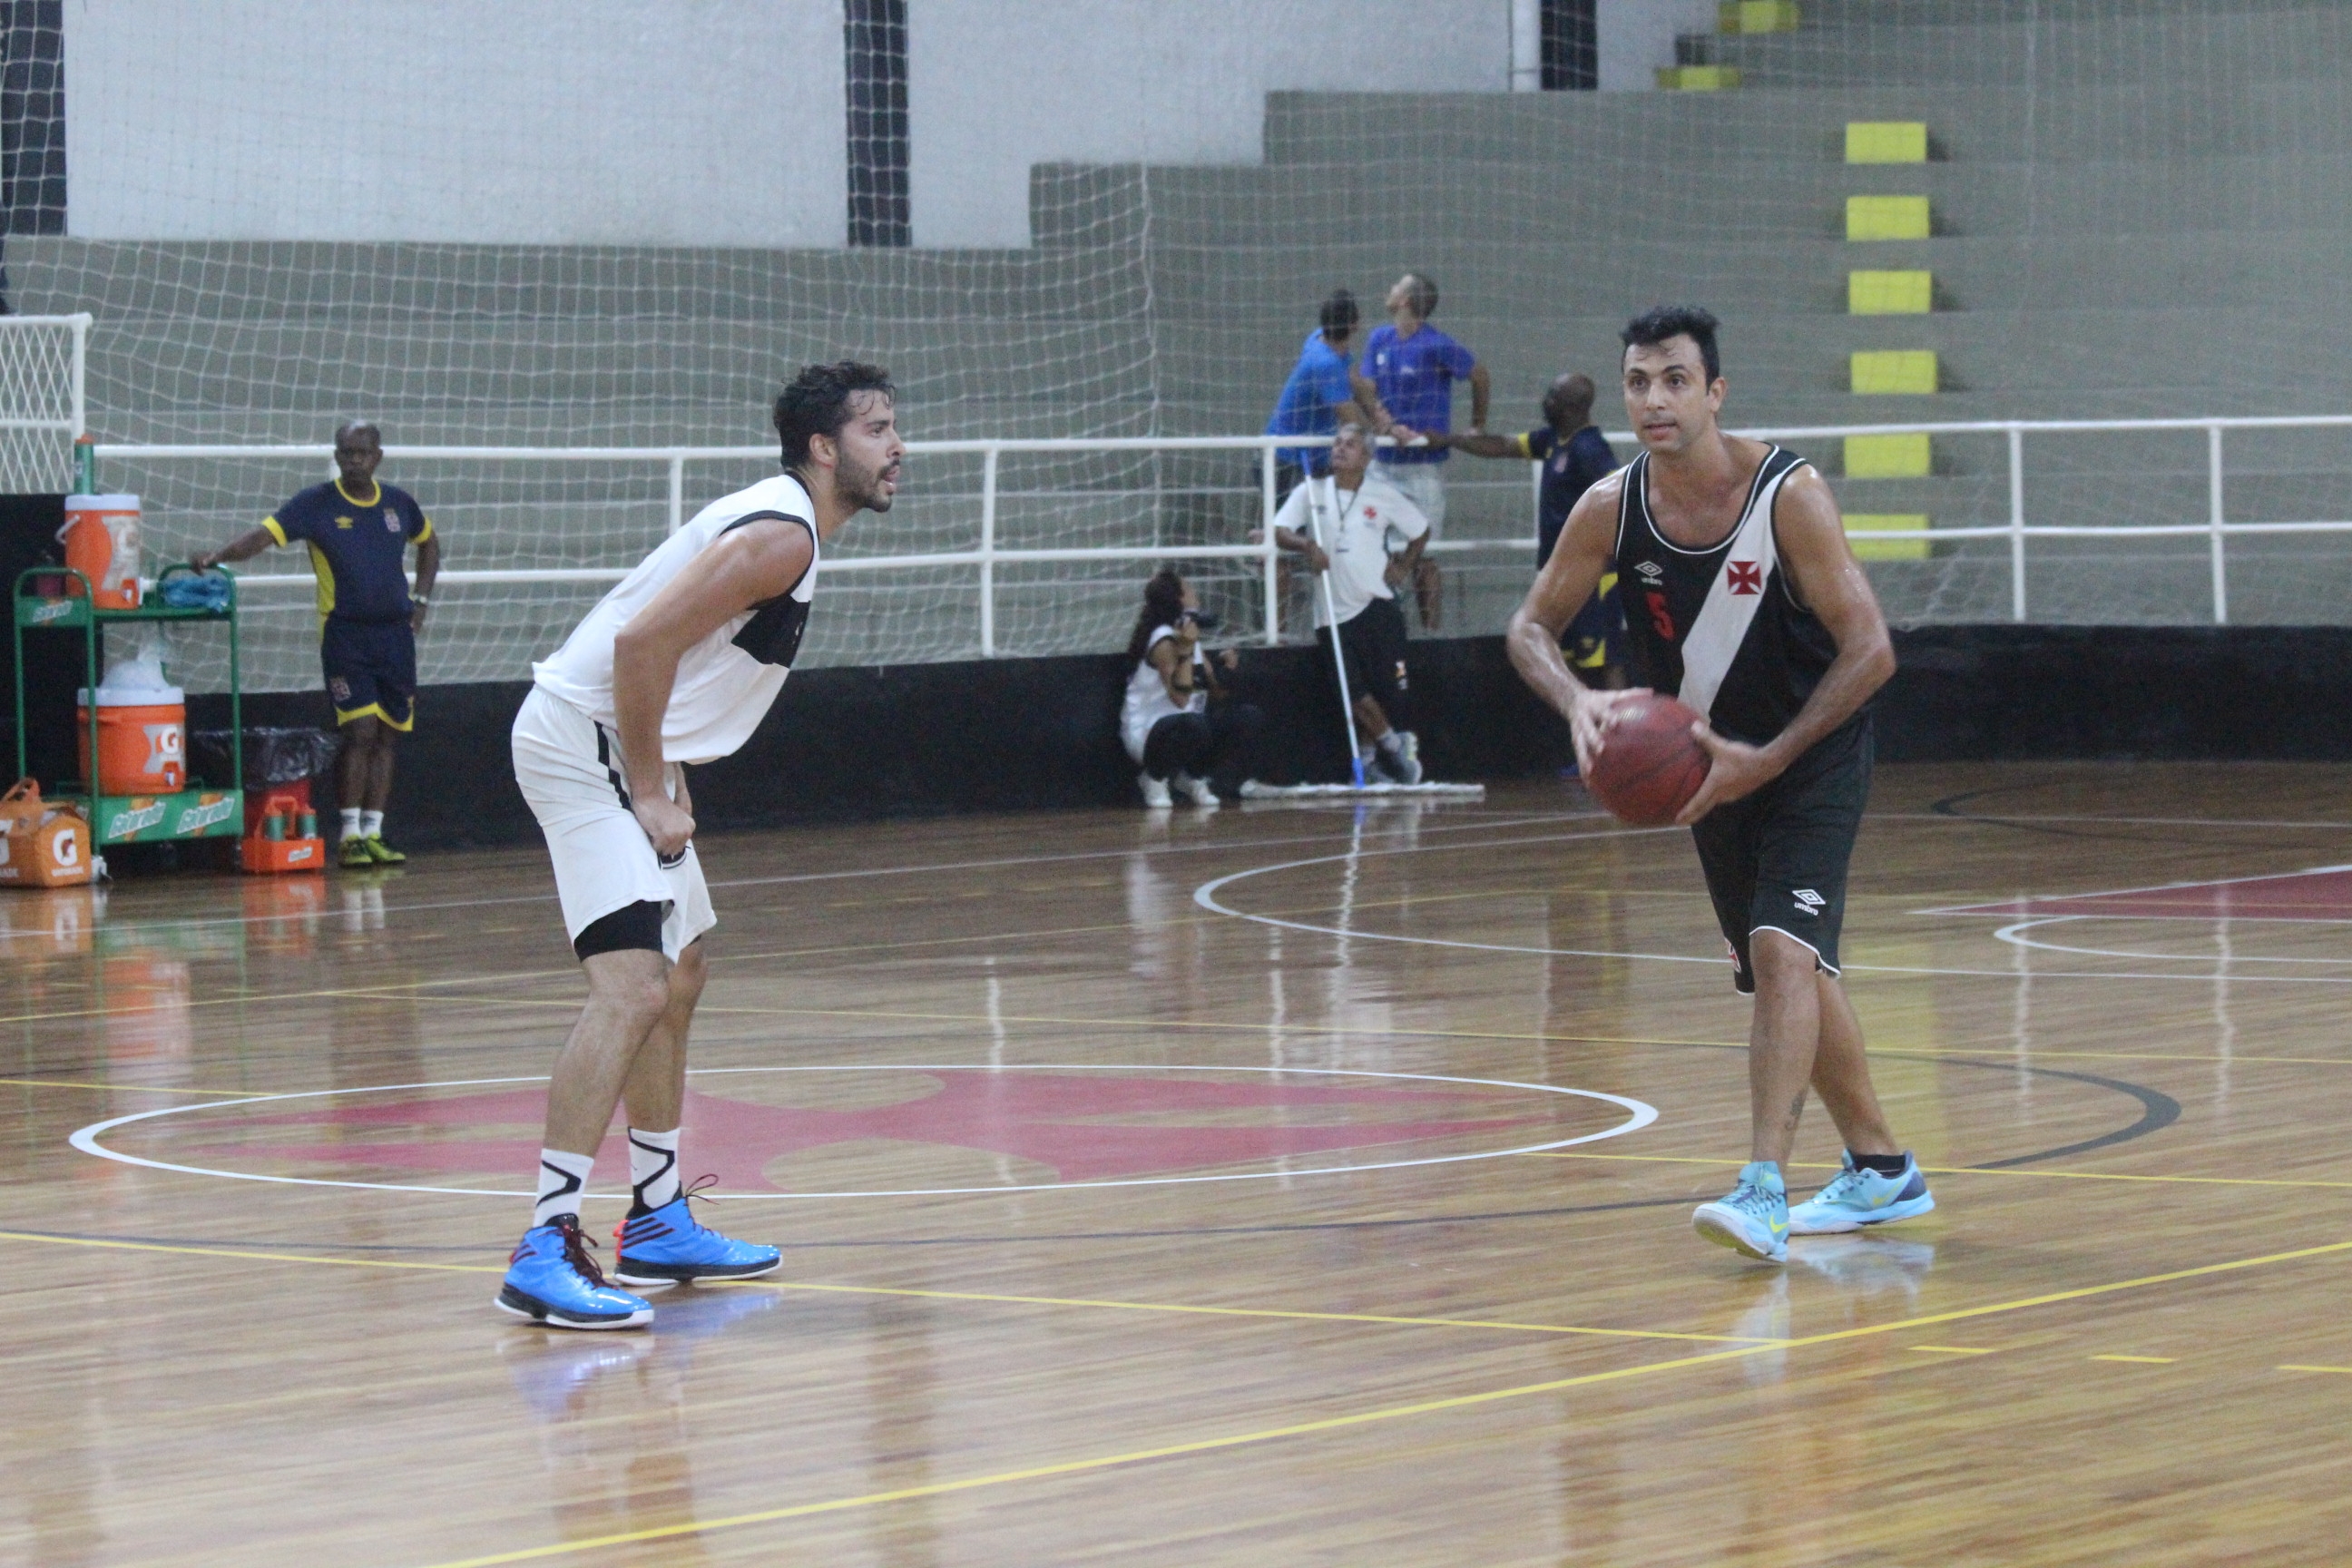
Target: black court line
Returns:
[[1951, 805]]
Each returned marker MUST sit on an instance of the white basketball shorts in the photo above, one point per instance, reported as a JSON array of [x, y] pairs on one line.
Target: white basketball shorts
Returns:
[[570, 772]]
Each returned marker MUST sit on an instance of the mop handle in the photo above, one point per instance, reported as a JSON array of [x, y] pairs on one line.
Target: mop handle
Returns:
[[1331, 614]]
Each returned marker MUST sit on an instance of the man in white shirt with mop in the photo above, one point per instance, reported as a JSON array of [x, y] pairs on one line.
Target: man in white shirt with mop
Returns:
[[1375, 539]]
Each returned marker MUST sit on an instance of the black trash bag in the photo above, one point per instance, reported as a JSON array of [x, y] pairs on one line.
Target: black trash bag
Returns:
[[272, 756]]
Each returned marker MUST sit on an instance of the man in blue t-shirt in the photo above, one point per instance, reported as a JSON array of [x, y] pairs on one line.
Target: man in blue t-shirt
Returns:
[[1407, 385], [358, 532], [1575, 456], [1320, 394]]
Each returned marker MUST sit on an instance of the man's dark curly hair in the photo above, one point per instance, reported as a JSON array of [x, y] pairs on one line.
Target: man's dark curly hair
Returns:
[[817, 403], [1661, 322]]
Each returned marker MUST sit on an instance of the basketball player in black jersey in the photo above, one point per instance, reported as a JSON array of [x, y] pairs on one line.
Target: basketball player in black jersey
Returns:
[[1742, 597]]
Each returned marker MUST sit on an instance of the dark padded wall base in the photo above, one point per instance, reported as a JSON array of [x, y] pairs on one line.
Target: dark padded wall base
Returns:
[[1025, 735]]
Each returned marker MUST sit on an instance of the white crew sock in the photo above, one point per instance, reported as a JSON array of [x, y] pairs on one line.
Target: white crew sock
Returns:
[[352, 822], [370, 824], [563, 1182], [652, 1168]]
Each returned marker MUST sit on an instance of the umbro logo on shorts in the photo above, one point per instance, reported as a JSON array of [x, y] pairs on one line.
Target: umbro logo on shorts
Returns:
[[1807, 901]]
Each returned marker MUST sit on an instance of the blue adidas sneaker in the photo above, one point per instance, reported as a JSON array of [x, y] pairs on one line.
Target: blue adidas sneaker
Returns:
[[1752, 1220], [552, 1280], [1857, 1197], [668, 1246]]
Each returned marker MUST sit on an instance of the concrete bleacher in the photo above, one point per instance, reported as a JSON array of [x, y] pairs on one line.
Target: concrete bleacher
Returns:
[[2137, 211]]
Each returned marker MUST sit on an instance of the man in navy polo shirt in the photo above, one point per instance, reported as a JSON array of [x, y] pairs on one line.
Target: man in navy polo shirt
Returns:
[[1407, 385], [358, 533], [1320, 394], [1575, 457]]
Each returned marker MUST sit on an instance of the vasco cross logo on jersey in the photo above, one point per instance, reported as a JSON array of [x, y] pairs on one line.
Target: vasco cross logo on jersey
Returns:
[[1747, 577]]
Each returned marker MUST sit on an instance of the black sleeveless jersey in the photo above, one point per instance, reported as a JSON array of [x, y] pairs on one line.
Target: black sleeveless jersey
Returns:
[[1720, 627]]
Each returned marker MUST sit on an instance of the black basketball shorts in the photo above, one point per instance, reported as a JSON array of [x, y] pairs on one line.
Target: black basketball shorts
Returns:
[[1375, 644], [1777, 859]]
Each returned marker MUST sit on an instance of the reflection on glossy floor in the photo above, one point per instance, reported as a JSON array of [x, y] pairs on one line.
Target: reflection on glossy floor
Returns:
[[1203, 1192]]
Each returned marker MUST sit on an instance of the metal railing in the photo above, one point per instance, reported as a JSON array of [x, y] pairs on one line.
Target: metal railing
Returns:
[[988, 554]]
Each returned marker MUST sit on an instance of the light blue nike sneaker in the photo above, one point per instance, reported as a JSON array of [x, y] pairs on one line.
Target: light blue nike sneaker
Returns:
[[1753, 1218], [1857, 1197], [552, 1280], [668, 1247]]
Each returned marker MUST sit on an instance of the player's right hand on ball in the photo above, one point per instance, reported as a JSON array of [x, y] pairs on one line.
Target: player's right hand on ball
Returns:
[[1589, 723], [668, 826]]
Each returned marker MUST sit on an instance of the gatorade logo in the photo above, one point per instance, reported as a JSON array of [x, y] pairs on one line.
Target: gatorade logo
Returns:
[[162, 746], [66, 847], [136, 820], [197, 817]]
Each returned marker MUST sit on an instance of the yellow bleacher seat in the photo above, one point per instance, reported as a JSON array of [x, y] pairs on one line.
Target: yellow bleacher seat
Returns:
[[1894, 372], [1890, 294], [1903, 457], [1698, 78], [1890, 523], [1886, 218], [1755, 16], [1885, 142]]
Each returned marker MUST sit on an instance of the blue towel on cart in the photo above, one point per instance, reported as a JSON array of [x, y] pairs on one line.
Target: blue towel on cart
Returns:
[[207, 592]]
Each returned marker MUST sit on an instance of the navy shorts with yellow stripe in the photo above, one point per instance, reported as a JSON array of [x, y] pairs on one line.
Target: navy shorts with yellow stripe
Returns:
[[371, 668]]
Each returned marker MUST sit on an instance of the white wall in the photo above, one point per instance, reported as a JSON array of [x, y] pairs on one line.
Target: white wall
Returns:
[[711, 122], [1637, 36], [994, 87]]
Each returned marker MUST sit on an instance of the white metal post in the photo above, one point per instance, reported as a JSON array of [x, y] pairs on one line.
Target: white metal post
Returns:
[[1526, 45], [988, 553], [1273, 575], [2016, 523], [80, 375], [2217, 522], [677, 491]]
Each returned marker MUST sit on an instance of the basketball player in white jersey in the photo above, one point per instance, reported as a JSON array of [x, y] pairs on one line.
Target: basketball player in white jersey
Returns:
[[677, 665], [1742, 597]]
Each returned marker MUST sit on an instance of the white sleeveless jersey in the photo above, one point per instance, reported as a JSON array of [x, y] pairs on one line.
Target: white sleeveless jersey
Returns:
[[725, 683], [1147, 702]]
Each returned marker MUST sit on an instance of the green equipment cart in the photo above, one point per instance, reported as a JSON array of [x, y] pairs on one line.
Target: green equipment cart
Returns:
[[203, 809]]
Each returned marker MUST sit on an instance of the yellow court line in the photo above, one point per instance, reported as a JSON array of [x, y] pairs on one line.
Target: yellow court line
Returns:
[[236, 1252], [1950, 1350], [930, 1295], [1728, 1162], [2144, 1360], [127, 1087], [1361, 1418], [2297, 1366], [1268, 1312]]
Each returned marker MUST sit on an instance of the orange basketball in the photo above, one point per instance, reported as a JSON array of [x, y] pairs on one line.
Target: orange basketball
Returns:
[[1649, 766]]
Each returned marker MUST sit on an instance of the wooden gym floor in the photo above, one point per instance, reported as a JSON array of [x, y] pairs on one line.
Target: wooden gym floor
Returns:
[[1269, 1188]]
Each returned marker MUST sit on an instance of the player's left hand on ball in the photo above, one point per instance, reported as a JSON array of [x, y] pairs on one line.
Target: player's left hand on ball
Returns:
[[1739, 769]]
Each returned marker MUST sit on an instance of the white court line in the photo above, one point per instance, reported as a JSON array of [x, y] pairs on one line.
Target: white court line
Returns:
[[1640, 1115], [2013, 935], [1205, 896], [2010, 906], [330, 912]]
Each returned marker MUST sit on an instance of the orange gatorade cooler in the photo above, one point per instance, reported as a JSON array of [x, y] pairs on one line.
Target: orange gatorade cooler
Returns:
[[101, 541], [41, 846], [142, 733]]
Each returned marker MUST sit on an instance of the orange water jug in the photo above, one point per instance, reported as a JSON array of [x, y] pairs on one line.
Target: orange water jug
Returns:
[[101, 541], [142, 739]]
